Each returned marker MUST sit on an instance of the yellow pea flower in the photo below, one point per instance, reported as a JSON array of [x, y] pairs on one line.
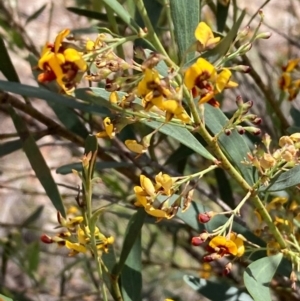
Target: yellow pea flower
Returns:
[[135, 147], [61, 63], [205, 36]]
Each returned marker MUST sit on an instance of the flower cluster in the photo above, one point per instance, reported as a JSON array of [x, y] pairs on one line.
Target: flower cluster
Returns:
[[290, 79], [205, 81], [270, 163], [61, 62], [219, 246], [147, 193], [77, 236], [159, 94], [106, 62]]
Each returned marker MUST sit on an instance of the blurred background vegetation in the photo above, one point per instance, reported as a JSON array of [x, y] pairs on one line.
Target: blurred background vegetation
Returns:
[[33, 271]]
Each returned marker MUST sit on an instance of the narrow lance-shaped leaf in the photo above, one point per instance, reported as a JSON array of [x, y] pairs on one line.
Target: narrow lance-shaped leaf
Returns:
[[122, 13], [131, 276], [132, 233], [185, 16], [6, 65], [37, 162], [50, 97]]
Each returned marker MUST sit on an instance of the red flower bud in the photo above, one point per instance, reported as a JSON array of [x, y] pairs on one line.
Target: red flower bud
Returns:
[[46, 239], [197, 241], [204, 217]]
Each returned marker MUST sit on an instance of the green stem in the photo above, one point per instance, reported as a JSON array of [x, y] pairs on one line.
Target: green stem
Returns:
[[114, 26], [226, 165], [89, 210], [150, 30]]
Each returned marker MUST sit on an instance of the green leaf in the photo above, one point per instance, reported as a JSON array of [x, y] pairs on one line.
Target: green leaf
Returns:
[[91, 14], [258, 275], [66, 169], [285, 180], [234, 145], [51, 97], [183, 136], [123, 14], [216, 291], [133, 231], [131, 276], [33, 216], [33, 256], [185, 20], [224, 186], [37, 162], [3, 298], [35, 14], [222, 12], [6, 65]]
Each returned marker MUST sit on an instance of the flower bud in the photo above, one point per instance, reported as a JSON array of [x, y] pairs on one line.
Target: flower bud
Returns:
[[241, 68], [266, 140], [243, 33], [247, 106], [245, 48], [227, 132], [46, 239], [198, 240], [211, 257], [263, 35], [239, 101], [252, 130], [240, 130], [205, 217]]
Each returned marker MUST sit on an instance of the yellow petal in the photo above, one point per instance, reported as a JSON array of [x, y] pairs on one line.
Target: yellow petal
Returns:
[[292, 64], [201, 70], [109, 127], [72, 55], [76, 247], [239, 244], [135, 147], [59, 38], [45, 58], [113, 97], [223, 79], [147, 185], [206, 98], [203, 33]]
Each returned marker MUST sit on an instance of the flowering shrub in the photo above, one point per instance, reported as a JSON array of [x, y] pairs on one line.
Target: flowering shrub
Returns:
[[156, 118]]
